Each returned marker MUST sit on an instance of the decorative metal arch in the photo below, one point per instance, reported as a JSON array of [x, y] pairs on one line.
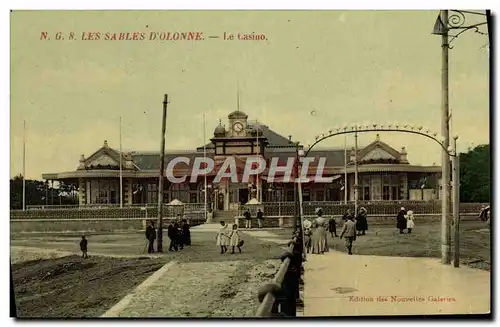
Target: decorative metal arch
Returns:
[[374, 127], [457, 23]]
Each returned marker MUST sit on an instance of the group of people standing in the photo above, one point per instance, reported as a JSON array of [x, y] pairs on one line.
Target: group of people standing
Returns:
[[248, 218], [405, 220], [178, 232], [315, 233], [229, 236]]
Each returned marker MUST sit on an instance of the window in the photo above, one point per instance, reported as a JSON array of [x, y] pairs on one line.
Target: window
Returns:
[[395, 193], [386, 195], [289, 195], [320, 195], [366, 193], [151, 193]]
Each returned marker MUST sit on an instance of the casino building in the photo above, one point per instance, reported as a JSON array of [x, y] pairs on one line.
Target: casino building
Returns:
[[385, 173]]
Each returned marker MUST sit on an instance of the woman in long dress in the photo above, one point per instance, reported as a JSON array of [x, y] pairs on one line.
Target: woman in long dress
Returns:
[[223, 237], [319, 235]]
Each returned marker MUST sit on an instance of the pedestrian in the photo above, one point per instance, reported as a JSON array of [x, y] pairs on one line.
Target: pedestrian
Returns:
[[348, 214], [83, 247], [307, 239], [401, 220], [150, 236], [332, 227], [410, 222], [171, 233], [319, 244], [248, 219], [361, 221], [349, 231], [260, 218], [235, 238], [179, 236], [186, 233], [223, 237]]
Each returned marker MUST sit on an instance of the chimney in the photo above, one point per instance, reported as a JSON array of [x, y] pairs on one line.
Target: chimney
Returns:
[[129, 164], [403, 156], [290, 138], [105, 143], [82, 162]]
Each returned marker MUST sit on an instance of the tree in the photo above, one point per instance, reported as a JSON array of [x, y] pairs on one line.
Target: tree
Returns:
[[35, 192], [475, 174], [40, 193]]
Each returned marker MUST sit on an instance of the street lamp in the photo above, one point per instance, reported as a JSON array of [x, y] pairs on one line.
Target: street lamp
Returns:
[[443, 25]]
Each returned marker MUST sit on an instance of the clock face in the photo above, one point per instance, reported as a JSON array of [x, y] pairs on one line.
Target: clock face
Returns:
[[238, 127]]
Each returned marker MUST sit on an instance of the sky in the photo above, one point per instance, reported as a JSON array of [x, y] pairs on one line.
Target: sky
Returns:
[[315, 70]]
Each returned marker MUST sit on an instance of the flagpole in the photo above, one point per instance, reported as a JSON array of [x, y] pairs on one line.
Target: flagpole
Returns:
[[345, 168], [24, 165], [205, 160], [121, 170]]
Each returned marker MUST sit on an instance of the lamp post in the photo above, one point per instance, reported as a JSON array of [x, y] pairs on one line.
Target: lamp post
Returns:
[[455, 168], [443, 25]]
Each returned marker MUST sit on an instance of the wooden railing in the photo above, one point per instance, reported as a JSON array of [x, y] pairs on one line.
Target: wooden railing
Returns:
[[279, 297]]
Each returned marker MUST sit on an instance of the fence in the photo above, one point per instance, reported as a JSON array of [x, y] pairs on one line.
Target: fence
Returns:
[[373, 207], [187, 206], [106, 212], [279, 297]]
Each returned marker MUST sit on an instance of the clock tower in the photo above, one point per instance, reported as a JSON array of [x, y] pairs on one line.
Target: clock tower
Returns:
[[237, 123]]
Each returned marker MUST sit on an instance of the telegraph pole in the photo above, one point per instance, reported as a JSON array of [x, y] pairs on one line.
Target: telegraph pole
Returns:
[[356, 175], [445, 132], [24, 165], [159, 246], [121, 168]]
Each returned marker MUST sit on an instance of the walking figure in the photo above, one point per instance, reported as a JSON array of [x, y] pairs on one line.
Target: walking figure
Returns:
[[235, 239], [349, 231], [83, 247], [223, 237]]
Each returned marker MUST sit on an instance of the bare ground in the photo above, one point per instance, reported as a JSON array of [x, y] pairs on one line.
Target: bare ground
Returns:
[[58, 283]]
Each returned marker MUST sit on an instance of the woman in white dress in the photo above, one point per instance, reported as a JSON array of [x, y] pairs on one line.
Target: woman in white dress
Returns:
[[223, 237], [234, 239], [410, 223]]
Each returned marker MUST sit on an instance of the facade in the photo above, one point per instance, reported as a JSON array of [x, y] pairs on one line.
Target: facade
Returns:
[[384, 173]]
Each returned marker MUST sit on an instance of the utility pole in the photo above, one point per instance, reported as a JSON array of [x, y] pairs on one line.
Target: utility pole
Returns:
[[205, 175], [345, 168], [159, 246], [356, 181], [445, 131], [121, 168], [24, 165], [455, 160]]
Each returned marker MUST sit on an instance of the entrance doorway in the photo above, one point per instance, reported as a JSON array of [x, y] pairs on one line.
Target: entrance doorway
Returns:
[[243, 195], [220, 201]]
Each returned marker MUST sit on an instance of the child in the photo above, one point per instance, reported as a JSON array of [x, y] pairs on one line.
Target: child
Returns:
[[83, 247], [410, 223], [223, 238], [234, 238], [307, 239]]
